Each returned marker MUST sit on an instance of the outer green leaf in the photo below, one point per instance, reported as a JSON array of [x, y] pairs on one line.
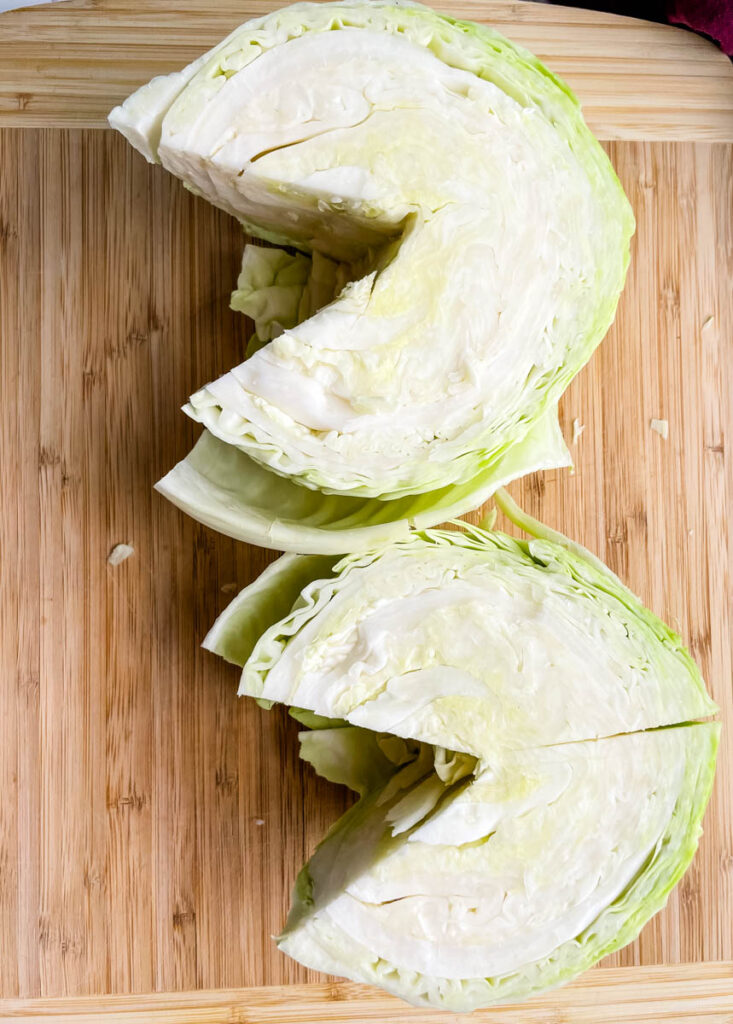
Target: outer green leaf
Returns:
[[256, 608], [349, 756], [220, 486]]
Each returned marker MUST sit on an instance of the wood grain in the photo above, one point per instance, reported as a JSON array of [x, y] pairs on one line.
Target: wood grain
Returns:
[[687, 994], [69, 64]]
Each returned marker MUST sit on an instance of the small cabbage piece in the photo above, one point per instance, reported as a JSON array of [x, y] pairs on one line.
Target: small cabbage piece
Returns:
[[357, 758], [521, 733], [461, 241]]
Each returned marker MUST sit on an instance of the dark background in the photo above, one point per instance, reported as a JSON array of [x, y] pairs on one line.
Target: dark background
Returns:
[[711, 18]]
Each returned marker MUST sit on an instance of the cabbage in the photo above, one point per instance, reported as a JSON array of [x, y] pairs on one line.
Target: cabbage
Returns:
[[396, 641], [525, 740], [458, 242], [508, 883], [225, 489]]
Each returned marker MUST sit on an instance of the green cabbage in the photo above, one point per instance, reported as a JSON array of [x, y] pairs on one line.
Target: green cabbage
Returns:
[[460, 241], [396, 641], [508, 883], [525, 739], [222, 487]]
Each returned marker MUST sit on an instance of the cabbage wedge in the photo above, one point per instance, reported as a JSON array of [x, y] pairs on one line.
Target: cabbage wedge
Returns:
[[510, 882], [450, 245], [526, 742]]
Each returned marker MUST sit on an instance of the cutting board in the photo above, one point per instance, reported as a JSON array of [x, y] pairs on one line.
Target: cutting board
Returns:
[[151, 824]]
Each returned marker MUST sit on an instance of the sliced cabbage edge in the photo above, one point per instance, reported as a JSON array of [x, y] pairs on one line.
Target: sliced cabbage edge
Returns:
[[256, 608], [220, 486], [316, 595]]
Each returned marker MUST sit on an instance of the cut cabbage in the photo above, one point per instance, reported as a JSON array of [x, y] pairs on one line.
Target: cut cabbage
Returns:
[[511, 882], [462, 242], [473, 641], [222, 487], [524, 738]]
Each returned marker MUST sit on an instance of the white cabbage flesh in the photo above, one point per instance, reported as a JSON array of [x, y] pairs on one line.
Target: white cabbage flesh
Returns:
[[511, 882], [476, 642], [473, 236]]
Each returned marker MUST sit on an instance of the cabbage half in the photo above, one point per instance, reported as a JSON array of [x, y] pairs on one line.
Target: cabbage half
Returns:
[[460, 242], [525, 739]]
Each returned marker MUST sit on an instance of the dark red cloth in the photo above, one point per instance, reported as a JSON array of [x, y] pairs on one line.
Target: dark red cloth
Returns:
[[713, 17]]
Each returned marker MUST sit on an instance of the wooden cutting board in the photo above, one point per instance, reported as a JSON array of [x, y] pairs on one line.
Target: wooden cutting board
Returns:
[[151, 824]]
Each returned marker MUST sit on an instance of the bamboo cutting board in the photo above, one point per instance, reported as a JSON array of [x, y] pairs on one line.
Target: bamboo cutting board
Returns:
[[151, 825]]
